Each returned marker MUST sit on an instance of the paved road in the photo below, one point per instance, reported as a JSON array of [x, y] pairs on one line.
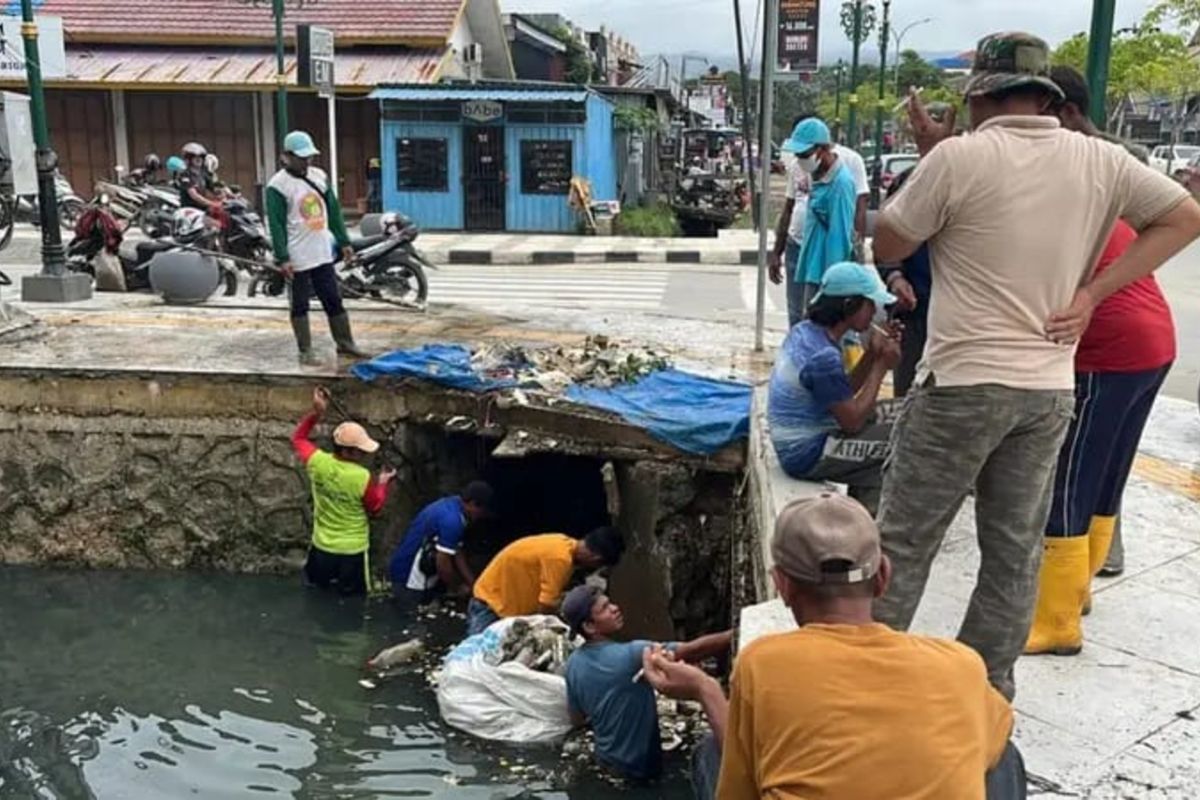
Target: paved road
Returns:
[[724, 293]]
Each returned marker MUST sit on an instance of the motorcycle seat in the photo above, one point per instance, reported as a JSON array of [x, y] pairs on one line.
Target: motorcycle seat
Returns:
[[364, 242]]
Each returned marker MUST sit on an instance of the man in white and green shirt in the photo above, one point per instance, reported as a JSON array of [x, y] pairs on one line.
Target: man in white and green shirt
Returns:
[[306, 221]]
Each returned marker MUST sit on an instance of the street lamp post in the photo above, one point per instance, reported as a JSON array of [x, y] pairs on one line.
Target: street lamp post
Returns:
[[54, 284], [879, 104], [281, 104], [1099, 52], [858, 20], [837, 100], [900, 43]]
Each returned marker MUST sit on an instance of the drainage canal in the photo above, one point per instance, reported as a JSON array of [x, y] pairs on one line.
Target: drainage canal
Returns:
[[160, 672]]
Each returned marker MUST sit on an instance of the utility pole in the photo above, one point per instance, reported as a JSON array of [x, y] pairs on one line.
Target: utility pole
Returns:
[[766, 116], [747, 123], [900, 45], [876, 189], [54, 284], [1099, 52], [858, 20]]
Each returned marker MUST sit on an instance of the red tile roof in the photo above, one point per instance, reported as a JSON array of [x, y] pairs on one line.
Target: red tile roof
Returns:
[[245, 68], [415, 22]]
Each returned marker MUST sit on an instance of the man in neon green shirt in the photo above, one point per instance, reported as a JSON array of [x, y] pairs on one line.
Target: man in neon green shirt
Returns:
[[345, 496]]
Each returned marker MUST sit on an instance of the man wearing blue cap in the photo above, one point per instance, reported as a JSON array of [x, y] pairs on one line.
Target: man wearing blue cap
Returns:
[[826, 424], [829, 225], [306, 221]]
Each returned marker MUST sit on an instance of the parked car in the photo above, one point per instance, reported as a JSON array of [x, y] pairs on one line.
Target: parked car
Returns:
[[1168, 163], [894, 165]]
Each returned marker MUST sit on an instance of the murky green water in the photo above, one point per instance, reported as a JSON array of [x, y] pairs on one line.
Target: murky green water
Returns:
[[135, 685]]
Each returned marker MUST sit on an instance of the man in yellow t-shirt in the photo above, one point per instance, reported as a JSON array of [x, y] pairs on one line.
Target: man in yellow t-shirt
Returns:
[[531, 574], [846, 707]]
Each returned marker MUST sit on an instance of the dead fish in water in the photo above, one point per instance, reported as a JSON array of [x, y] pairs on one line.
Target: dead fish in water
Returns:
[[387, 662]]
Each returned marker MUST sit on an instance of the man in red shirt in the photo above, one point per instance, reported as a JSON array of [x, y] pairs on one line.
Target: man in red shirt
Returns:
[[1122, 361]]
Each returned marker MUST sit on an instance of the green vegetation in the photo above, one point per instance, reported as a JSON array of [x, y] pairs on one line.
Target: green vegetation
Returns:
[[580, 68], [653, 221], [636, 118]]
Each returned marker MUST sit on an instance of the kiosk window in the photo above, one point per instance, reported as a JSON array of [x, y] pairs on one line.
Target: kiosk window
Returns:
[[422, 165], [546, 166]]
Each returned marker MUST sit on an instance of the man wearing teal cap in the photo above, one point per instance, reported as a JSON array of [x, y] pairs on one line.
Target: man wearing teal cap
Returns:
[[829, 227], [827, 424], [305, 219]]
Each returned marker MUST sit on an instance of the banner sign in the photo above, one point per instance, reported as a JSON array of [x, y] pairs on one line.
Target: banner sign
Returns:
[[314, 51], [799, 21]]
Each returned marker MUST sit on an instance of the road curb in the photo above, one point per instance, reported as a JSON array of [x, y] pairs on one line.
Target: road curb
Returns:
[[465, 256]]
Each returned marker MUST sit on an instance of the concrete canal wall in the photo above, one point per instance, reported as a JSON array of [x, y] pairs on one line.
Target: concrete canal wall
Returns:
[[195, 471]]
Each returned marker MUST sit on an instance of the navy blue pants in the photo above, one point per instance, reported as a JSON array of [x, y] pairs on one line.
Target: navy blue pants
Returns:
[[1111, 410], [322, 282]]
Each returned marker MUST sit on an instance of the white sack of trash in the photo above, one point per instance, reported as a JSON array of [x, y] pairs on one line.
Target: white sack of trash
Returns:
[[507, 684]]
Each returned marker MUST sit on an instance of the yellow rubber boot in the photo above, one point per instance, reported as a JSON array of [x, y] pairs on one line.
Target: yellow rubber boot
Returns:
[[1057, 628], [1100, 536]]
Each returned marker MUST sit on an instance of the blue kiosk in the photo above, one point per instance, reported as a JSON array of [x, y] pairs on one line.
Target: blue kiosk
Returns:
[[493, 156]]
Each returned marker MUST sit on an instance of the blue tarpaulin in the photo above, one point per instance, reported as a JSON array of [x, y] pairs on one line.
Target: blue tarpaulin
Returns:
[[695, 414]]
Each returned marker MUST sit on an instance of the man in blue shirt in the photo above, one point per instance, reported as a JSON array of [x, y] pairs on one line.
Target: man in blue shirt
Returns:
[[602, 692], [827, 424], [832, 203], [430, 557]]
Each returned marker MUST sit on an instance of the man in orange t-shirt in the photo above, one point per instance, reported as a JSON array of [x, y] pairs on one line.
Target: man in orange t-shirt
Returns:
[[531, 574], [846, 707]]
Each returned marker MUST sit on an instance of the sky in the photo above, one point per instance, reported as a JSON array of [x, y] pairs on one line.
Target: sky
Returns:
[[706, 26]]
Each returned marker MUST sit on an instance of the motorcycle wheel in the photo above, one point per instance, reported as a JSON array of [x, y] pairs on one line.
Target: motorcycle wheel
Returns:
[[8, 219], [398, 284], [69, 212], [230, 279]]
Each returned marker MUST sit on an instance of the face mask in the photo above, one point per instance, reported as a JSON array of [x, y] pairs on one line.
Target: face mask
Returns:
[[809, 164]]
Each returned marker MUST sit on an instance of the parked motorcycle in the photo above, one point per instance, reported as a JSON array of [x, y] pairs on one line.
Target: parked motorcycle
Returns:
[[100, 234], [26, 208], [387, 266]]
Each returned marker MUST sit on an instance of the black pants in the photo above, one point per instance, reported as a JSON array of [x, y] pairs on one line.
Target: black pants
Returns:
[[322, 282], [347, 575], [912, 347]]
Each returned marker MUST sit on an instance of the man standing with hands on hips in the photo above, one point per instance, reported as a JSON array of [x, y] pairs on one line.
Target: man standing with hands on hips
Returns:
[[306, 221]]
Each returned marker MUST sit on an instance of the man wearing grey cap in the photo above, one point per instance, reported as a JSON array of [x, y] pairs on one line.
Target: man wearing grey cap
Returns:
[[1016, 215], [844, 706]]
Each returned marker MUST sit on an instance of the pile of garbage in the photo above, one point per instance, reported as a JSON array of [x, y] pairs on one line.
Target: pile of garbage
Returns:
[[599, 362], [541, 644]]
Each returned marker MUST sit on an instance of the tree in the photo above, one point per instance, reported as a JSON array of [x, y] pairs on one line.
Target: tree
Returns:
[[916, 71], [1181, 13], [580, 66], [1144, 60]]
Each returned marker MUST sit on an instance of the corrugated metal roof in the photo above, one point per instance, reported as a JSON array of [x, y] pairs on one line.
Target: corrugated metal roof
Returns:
[[162, 21], [208, 67], [537, 93]]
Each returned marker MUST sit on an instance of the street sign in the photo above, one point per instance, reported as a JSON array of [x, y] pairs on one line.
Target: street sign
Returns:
[[51, 48], [314, 59], [482, 110], [799, 21]]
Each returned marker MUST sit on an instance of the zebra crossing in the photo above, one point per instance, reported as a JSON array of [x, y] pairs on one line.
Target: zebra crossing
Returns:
[[608, 287]]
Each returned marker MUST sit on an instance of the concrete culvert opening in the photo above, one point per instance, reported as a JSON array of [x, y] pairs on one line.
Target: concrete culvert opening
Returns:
[[678, 521]]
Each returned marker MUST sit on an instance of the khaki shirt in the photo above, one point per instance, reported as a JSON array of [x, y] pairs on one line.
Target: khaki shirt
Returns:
[[1016, 215]]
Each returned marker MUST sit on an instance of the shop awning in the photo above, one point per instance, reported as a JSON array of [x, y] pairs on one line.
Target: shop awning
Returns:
[[234, 69], [506, 92]]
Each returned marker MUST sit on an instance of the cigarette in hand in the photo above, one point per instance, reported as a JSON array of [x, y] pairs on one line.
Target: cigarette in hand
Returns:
[[904, 102]]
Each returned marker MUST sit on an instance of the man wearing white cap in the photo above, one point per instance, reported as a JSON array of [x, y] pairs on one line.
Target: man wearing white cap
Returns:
[[345, 495], [845, 706], [306, 222]]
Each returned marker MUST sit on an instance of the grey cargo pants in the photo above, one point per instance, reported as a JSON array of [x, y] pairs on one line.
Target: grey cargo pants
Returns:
[[1004, 444]]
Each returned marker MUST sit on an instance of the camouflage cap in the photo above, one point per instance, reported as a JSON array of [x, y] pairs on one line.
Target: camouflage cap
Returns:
[[1008, 60]]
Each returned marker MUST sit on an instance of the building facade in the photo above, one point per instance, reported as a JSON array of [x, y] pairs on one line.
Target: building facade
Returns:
[[496, 157], [149, 75]]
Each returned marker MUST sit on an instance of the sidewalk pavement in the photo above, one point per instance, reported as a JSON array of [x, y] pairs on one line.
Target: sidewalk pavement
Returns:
[[731, 247]]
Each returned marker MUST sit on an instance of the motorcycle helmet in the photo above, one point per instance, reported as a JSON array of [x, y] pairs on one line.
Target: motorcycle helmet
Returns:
[[152, 162], [175, 165], [187, 225], [194, 150], [212, 163]]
